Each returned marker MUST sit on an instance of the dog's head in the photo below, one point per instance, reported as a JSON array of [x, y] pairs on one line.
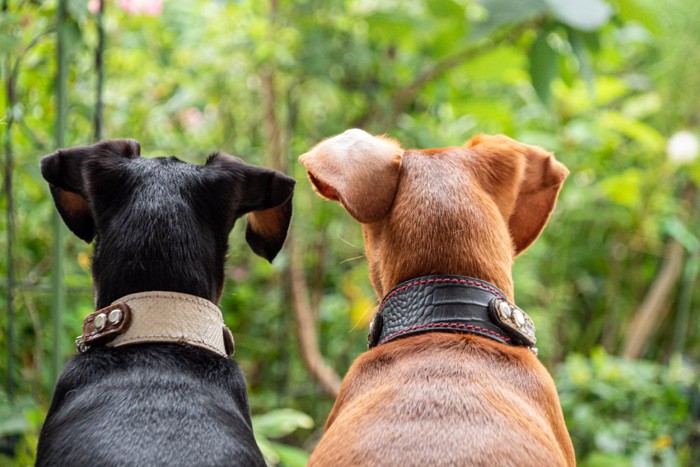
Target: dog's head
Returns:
[[465, 210], [163, 224]]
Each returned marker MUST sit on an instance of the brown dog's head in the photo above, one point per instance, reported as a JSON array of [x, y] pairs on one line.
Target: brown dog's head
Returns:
[[465, 210]]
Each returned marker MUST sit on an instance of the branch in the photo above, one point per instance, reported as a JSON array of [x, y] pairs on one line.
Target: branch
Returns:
[[655, 305], [100, 70], [406, 94], [306, 324]]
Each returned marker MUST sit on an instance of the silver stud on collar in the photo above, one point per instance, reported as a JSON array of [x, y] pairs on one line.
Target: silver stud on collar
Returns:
[[518, 318], [115, 316], [504, 310], [100, 321]]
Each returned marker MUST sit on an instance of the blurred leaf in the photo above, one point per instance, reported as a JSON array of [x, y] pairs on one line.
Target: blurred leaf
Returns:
[[13, 424], [647, 136], [604, 459], [289, 456], [268, 450], [638, 11], [489, 65], [586, 15], [445, 8], [506, 12], [544, 66], [680, 232], [578, 46], [281, 422], [624, 188]]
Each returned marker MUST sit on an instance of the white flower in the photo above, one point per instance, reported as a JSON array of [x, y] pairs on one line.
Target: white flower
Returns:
[[683, 147]]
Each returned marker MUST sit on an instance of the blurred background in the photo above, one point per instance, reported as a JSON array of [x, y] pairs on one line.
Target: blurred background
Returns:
[[611, 86]]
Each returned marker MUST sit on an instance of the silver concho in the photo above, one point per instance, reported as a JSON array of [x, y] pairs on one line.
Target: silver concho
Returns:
[[514, 320]]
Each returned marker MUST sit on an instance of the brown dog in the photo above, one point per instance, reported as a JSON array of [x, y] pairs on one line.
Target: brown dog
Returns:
[[477, 396]]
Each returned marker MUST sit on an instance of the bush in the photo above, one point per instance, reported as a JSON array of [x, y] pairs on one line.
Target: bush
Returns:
[[631, 413]]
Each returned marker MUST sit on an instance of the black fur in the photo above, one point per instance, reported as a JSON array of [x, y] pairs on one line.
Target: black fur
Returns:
[[158, 224]]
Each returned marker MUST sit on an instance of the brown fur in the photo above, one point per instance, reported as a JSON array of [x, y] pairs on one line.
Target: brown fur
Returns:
[[438, 398]]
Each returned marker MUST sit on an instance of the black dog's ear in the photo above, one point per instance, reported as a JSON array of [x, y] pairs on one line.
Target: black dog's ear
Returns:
[[267, 227], [266, 196], [64, 170]]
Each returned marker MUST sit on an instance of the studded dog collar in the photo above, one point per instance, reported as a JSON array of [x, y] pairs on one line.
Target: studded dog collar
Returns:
[[451, 304], [158, 317]]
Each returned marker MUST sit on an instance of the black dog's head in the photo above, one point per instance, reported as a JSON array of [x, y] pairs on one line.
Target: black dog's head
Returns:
[[163, 224]]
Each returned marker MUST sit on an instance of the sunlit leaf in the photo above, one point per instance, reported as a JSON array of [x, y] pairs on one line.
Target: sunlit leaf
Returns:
[[281, 422], [636, 130], [638, 11], [624, 188], [489, 65]]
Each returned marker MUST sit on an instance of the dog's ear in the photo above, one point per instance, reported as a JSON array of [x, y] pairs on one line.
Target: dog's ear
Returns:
[[524, 181], [357, 169], [64, 170], [265, 195]]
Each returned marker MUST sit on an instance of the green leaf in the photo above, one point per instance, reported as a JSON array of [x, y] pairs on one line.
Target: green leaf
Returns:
[[636, 130], [544, 66], [586, 15], [639, 11], [290, 456], [14, 424], [489, 65], [506, 12], [624, 188], [578, 46], [680, 232], [444, 8], [278, 423]]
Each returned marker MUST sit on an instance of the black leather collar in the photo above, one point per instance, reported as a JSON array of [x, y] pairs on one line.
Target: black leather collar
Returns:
[[452, 304]]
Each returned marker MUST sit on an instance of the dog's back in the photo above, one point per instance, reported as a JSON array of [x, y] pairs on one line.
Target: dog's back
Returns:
[[445, 400], [149, 405]]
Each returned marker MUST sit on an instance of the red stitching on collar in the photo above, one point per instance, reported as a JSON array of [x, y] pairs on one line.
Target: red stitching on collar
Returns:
[[442, 325], [427, 281]]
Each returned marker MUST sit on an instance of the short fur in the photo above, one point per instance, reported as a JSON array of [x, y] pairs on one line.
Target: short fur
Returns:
[[440, 398], [158, 224]]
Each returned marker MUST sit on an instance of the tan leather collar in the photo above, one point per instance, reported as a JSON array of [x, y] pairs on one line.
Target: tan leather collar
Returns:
[[156, 317]]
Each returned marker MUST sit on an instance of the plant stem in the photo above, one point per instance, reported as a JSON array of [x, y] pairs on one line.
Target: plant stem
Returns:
[[58, 286]]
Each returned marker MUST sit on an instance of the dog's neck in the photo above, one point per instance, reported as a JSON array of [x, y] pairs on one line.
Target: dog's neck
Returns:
[[158, 256], [192, 270]]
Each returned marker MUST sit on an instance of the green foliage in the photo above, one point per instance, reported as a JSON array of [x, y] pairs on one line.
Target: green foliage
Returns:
[[622, 412], [276, 424]]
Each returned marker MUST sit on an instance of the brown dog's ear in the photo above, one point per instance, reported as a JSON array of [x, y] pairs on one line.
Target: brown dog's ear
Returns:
[[64, 170], [264, 194], [357, 169], [524, 180]]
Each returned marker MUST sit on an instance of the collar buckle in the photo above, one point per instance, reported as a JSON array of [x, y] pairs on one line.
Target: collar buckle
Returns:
[[103, 326], [514, 320]]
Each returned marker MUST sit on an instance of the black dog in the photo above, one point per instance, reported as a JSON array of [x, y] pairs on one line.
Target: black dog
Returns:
[[159, 225]]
